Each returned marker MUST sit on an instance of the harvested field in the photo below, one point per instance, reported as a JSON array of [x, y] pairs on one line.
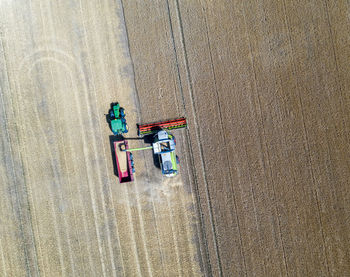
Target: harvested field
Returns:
[[264, 184], [63, 213]]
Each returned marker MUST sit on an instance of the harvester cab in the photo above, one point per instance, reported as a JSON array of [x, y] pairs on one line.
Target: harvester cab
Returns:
[[162, 143]]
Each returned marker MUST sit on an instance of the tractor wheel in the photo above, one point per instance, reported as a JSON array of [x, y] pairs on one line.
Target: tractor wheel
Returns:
[[122, 112], [126, 128]]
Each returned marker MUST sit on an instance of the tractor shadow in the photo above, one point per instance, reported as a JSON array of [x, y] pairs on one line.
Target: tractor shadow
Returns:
[[108, 120]]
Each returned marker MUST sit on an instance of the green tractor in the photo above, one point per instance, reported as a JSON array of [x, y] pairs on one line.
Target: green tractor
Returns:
[[117, 119]]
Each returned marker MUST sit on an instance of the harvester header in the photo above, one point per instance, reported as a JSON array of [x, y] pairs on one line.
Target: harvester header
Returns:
[[146, 129]]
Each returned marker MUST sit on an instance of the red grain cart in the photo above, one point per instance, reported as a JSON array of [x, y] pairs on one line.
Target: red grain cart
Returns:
[[125, 165]]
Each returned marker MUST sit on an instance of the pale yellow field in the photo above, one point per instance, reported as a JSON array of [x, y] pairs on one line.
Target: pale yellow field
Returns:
[[63, 212]]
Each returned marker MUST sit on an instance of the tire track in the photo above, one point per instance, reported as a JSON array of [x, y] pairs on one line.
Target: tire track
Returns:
[[306, 140], [110, 192], [52, 31], [178, 89], [139, 209], [103, 147], [179, 197], [223, 134], [71, 79], [68, 69], [85, 159], [133, 237], [95, 142], [60, 131], [171, 217], [69, 182], [26, 254], [261, 143], [156, 219], [26, 165], [187, 141], [26, 192], [306, 136], [56, 174], [193, 108], [5, 269], [81, 73], [142, 233], [336, 62], [89, 178]]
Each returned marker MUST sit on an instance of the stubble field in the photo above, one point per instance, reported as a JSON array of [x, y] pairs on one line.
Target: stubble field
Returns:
[[264, 182]]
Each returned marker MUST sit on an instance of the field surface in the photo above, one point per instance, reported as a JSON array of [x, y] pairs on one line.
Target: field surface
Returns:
[[264, 184]]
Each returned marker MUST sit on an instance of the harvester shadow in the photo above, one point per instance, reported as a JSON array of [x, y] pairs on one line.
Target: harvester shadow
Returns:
[[156, 161], [149, 139]]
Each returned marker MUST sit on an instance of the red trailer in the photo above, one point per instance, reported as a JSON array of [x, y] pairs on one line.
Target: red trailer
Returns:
[[125, 165]]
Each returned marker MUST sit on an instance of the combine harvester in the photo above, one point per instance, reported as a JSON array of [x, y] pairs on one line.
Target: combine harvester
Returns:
[[163, 144]]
